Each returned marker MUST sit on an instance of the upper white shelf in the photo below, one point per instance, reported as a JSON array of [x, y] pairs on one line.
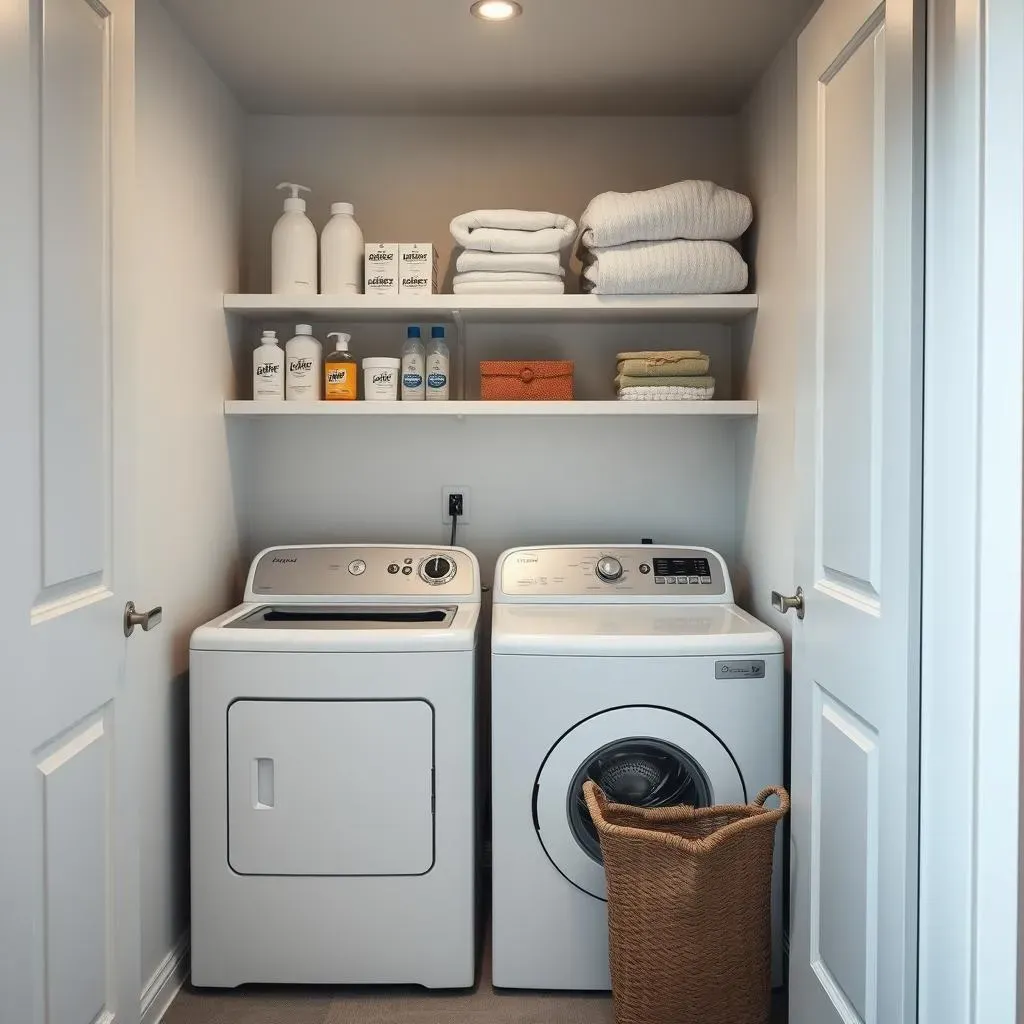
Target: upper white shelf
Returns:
[[496, 308], [720, 409]]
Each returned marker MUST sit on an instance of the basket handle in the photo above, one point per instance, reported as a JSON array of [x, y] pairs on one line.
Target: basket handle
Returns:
[[774, 791]]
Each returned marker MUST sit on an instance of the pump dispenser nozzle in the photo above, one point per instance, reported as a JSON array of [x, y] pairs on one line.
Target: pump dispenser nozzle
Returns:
[[294, 201], [341, 345]]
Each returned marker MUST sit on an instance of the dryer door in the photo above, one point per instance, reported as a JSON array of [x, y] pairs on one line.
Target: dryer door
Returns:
[[645, 756], [335, 787]]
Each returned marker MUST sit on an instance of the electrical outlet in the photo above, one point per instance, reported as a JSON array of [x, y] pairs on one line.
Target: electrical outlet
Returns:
[[445, 514]]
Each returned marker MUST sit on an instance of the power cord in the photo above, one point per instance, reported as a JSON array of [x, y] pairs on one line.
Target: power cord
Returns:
[[455, 526]]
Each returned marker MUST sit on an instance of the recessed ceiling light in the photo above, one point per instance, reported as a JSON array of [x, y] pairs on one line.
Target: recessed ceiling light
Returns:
[[496, 10]]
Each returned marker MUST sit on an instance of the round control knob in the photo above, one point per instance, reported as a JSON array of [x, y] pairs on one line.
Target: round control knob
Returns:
[[437, 569], [357, 567], [609, 569]]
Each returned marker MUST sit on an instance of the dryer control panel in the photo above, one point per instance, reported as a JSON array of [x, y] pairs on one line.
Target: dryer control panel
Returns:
[[617, 573], [347, 572]]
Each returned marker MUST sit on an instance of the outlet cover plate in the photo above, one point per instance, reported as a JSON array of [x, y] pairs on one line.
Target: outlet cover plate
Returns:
[[466, 503]]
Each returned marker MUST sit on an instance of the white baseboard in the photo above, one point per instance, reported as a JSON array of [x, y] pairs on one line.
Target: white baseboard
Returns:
[[166, 982]]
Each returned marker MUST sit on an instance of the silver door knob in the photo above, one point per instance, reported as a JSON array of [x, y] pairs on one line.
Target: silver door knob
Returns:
[[782, 603], [147, 620]]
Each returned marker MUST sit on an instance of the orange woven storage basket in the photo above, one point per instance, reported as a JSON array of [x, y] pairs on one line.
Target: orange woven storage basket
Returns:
[[689, 909], [518, 381]]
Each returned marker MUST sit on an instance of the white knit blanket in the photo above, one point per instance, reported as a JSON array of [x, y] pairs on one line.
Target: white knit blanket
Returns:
[[493, 277], [513, 230], [509, 262], [698, 210], [664, 268], [666, 394], [552, 286]]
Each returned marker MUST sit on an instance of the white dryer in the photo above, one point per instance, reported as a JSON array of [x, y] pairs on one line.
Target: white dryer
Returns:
[[632, 666], [333, 771]]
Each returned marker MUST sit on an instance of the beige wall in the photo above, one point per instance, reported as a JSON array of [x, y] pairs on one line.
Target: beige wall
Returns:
[[409, 176], [765, 360], [189, 180]]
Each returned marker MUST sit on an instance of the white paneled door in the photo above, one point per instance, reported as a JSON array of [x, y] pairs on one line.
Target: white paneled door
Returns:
[[68, 856], [855, 672], [856, 650]]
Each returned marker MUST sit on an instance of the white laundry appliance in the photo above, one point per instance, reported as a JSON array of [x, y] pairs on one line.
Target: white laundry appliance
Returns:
[[631, 666], [333, 771]]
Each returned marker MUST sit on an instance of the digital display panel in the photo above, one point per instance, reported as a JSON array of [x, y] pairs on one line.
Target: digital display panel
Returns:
[[681, 567]]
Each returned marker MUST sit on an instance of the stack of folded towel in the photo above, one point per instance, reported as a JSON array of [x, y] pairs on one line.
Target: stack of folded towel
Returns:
[[663, 377], [670, 240], [511, 251]]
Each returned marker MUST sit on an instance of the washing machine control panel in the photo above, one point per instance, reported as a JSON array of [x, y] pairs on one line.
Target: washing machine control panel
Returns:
[[347, 571], [641, 571]]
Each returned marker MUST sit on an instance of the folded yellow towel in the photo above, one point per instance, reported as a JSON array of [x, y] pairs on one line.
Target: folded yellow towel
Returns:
[[625, 381], [694, 366]]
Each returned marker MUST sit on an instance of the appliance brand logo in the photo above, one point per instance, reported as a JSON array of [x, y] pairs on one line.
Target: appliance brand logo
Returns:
[[527, 559], [284, 561]]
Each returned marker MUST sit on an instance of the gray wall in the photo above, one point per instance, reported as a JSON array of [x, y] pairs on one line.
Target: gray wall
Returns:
[[189, 151]]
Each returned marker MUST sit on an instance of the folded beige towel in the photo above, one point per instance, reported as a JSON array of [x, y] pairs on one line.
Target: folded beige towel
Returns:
[[624, 381], [693, 366], [686, 353]]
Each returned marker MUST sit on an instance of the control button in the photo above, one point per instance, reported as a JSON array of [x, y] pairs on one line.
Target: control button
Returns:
[[694, 580], [609, 569], [393, 568], [659, 579], [357, 567], [683, 580], [407, 570], [670, 579], [705, 579], [437, 569], [408, 561], [645, 568]]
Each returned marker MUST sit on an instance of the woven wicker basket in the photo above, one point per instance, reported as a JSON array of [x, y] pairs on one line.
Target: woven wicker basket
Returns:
[[689, 909]]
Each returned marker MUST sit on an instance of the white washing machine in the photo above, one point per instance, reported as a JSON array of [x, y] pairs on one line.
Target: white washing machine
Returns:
[[632, 666], [333, 774]]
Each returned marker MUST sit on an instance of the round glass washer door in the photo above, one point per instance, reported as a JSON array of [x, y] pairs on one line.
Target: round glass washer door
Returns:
[[645, 756]]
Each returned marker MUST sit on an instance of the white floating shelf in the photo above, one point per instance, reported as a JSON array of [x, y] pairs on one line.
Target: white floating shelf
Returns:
[[495, 308], [721, 410]]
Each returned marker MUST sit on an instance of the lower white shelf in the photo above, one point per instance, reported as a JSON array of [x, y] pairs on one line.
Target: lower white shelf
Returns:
[[733, 410]]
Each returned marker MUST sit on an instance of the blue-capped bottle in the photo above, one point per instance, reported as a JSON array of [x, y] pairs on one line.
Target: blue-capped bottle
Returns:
[[437, 366], [413, 367]]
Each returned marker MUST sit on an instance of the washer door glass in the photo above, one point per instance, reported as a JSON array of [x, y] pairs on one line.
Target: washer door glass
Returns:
[[645, 756]]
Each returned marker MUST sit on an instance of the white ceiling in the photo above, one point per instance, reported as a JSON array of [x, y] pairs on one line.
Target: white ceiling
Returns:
[[432, 57]]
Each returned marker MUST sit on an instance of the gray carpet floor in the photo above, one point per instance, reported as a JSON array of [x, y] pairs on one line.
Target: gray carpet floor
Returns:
[[266, 1004]]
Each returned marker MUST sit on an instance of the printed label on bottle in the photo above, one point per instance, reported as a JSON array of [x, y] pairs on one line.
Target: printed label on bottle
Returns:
[[268, 380], [301, 380], [340, 382], [267, 370], [412, 380], [436, 380]]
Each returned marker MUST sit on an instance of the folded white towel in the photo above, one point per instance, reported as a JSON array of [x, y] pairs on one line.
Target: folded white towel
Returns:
[[502, 262], [667, 394], [698, 210], [552, 286], [664, 268], [513, 231], [474, 276]]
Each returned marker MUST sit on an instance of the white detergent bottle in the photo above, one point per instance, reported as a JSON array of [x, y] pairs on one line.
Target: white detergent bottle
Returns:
[[268, 369], [293, 247], [437, 367], [303, 358], [341, 253]]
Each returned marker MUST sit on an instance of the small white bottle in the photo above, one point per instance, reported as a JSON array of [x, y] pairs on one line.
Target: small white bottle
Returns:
[[341, 253], [413, 367], [268, 369], [437, 367], [303, 357], [293, 247]]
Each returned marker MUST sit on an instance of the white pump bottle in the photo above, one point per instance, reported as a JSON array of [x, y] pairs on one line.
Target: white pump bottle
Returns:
[[293, 246]]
